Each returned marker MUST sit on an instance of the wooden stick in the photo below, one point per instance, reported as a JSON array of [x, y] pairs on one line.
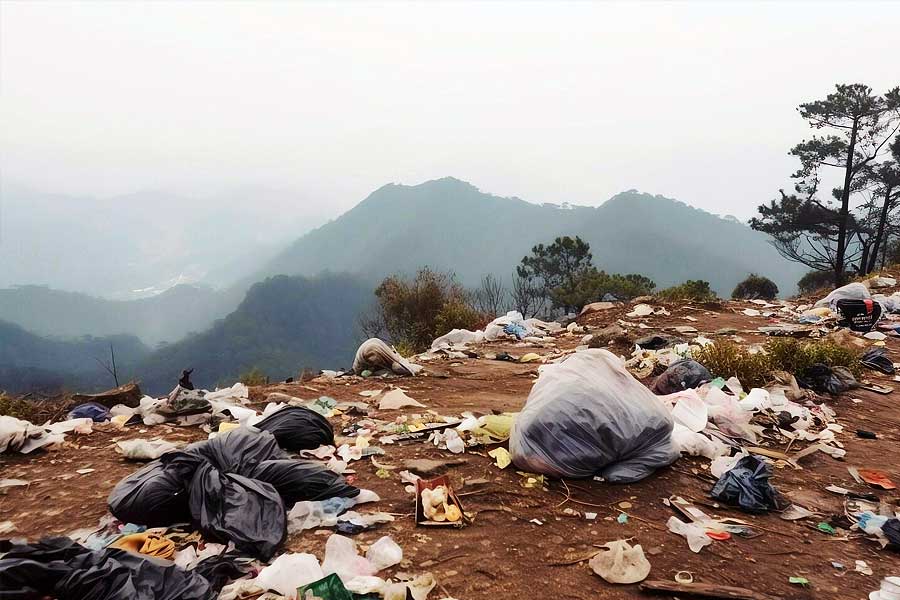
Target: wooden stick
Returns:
[[705, 590]]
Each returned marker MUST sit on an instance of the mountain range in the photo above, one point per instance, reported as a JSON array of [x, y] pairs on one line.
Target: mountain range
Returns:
[[449, 224], [302, 313]]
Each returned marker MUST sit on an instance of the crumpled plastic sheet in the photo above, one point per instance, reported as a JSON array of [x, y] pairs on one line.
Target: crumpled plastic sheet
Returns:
[[876, 358], [17, 435], [61, 568], [235, 487], [681, 375], [621, 563], [586, 416], [90, 410], [746, 485], [457, 338], [833, 380], [374, 354]]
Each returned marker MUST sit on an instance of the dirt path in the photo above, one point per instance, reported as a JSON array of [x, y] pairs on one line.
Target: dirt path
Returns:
[[503, 554]]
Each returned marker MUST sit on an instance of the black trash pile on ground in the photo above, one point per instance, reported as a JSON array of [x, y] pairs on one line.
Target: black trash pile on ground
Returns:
[[235, 487]]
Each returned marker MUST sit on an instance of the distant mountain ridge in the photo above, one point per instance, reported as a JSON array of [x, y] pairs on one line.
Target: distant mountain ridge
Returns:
[[283, 325], [449, 224], [168, 316], [30, 362]]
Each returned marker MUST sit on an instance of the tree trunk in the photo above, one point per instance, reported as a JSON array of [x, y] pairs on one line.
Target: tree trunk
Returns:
[[885, 209], [863, 261], [845, 207]]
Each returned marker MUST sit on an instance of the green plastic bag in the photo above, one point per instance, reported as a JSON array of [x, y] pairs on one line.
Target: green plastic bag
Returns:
[[327, 588]]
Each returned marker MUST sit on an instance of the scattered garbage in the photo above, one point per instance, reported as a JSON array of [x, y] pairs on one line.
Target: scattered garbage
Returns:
[[747, 486], [586, 416], [61, 568], [621, 563], [140, 449], [375, 355]]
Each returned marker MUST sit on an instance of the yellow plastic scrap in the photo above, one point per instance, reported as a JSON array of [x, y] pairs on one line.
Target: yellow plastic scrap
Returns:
[[531, 480], [501, 456], [530, 357], [119, 420], [495, 429], [223, 427]]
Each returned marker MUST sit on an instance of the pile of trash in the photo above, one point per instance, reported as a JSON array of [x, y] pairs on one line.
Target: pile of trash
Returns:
[[511, 326]]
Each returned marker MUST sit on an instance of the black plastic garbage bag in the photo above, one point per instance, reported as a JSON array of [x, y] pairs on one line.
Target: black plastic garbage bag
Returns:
[[876, 358], [156, 495], [824, 379], [891, 530], [238, 450], [654, 342], [680, 376], [61, 568], [747, 486], [586, 416], [298, 428], [230, 507], [235, 487], [300, 480]]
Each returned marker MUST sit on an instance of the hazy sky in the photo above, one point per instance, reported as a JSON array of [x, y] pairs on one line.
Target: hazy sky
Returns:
[[550, 102]]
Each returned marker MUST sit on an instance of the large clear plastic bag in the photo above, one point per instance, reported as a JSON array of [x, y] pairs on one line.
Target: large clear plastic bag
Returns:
[[586, 416]]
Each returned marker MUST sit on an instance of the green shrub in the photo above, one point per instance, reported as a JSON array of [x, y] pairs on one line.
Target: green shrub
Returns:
[[727, 359], [815, 281], [457, 314], [755, 287], [16, 407], [696, 290], [254, 377], [794, 356], [414, 312]]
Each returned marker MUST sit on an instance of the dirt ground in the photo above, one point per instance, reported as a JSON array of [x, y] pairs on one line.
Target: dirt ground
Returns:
[[503, 554]]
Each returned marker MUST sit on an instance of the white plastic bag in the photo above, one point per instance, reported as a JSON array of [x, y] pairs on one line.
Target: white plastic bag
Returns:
[[690, 410], [140, 449], [851, 291], [288, 572], [622, 563], [457, 338], [586, 416], [384, 553], [341, 558], [696, 444], [694, 534]]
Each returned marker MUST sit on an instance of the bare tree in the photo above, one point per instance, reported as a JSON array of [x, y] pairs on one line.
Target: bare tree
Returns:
[[110, 366], [490, 296], [528, 297]]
